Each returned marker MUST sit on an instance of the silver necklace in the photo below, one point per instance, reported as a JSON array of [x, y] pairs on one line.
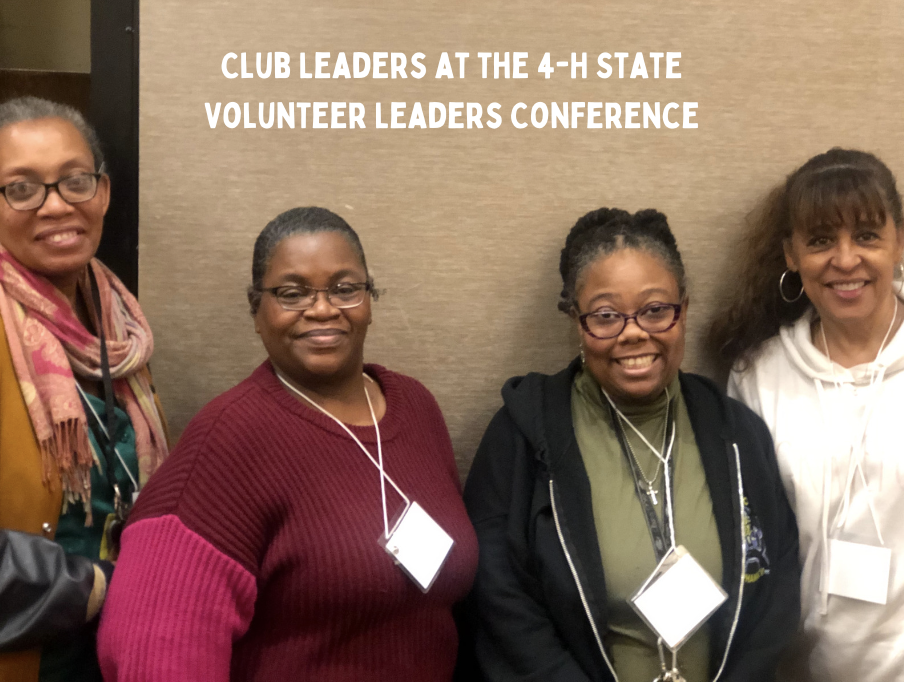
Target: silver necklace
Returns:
[[651, 491]]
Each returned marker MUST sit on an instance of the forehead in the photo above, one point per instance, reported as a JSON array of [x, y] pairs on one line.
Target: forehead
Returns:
[[40, 144], [314, 256], [625, 273], [837, 199]]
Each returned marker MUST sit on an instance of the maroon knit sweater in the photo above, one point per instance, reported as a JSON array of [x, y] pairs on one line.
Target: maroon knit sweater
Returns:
[[252, 553]]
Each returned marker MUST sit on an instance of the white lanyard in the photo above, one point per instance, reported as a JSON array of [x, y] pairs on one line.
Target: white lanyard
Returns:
[[103, 429], [663, 459], [376, 462], [855, 463], [858, 446]]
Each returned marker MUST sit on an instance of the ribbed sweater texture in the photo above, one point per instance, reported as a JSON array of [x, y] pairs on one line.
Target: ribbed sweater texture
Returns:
[[253, 554]]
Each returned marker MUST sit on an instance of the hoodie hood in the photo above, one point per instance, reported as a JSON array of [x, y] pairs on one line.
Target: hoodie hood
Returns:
[[813, 363], [540, 406]]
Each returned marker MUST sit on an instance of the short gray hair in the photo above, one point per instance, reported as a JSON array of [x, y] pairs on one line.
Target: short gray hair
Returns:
[[31, 108], [302, 220]]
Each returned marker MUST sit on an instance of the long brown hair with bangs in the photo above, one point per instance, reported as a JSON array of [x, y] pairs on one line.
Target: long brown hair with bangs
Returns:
[[841, 186]]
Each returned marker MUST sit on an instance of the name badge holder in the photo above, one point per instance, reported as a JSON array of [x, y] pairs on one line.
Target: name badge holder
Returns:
[[856, 570], [679, 596], [853, 569], [417, 544]]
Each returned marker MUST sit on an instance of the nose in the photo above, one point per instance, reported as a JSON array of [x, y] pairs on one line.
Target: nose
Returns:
[[846, 255], [322, 308], [632, 333], [54, 204]]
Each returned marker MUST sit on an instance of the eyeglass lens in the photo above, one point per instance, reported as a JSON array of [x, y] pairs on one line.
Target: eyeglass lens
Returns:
[[608, 324], [343, 295], [75, 189]]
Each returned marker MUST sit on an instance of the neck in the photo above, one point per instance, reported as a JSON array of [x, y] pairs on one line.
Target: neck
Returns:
[[345, 397], [347, 389], [644, 406], [850, 343], [68, 286]]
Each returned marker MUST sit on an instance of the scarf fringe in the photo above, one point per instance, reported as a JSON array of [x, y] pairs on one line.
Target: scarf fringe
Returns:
[[69, 451]]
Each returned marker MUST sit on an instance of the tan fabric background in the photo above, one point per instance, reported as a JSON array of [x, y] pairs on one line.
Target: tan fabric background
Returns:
[[463, 228]]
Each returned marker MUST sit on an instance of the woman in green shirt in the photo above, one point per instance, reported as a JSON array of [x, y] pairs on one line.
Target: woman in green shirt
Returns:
[[589, 480]]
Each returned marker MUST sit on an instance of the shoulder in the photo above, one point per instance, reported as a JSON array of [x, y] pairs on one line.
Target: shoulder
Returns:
[[707, 401], [769, 358], [409, 401], [241, 403], [215, 470], [404, 386]]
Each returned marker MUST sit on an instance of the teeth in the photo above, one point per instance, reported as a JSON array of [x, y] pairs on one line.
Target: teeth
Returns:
[[638, 362], [847, 286], [60, 236]]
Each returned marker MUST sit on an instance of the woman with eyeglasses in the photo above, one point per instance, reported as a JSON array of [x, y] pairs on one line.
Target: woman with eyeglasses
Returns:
[[80, 426], [309, 526], [813, 335], [621, 486]]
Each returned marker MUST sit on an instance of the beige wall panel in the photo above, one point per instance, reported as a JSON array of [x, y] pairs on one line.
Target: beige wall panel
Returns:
[[463, 228], [47, 35]]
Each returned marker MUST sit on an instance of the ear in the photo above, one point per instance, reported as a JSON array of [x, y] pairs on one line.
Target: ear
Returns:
[[257, 327], [790, 260], [103, 191]]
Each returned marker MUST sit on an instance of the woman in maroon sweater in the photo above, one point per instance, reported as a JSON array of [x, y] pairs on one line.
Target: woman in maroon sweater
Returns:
[[259, 550]]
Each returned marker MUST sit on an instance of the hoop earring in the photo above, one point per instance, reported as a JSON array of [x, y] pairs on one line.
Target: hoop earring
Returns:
[[781, 289], [899, 271]]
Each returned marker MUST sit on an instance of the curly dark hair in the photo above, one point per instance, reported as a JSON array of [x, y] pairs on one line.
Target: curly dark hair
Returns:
[[841, 186], [607, 230]]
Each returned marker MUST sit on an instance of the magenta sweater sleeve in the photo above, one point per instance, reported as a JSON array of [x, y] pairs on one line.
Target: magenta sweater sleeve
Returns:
[[175, 607]]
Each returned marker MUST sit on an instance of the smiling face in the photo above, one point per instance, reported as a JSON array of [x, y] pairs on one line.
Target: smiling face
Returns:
[[323, 344], [848, 270], [636, 366], [58, 239]]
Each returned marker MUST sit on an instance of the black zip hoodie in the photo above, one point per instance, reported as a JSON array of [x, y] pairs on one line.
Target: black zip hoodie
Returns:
[[538, 608]]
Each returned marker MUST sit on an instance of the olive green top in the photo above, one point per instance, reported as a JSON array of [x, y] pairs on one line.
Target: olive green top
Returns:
[[624, 538]]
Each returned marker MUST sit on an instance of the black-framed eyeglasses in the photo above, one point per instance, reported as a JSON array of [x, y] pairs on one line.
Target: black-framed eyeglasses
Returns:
[[655, 318], [341, 295], [28, 195]]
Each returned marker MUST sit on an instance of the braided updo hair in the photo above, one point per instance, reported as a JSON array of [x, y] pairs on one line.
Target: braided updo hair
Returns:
[[606, 230]]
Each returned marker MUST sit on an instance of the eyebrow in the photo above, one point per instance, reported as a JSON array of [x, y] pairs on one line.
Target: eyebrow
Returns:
[[32, 172], [294, 277], [644, 292]]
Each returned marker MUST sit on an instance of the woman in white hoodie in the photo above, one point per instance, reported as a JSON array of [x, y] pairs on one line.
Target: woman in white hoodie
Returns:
[[812, 337]]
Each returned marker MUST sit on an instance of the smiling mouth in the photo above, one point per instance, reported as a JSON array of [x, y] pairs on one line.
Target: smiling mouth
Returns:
[[321, 334], [60, 237], [637, 362], [847, 286]]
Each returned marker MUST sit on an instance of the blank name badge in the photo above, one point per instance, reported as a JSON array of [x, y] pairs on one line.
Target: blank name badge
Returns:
[[419, 546], [678, 598], [859, 571]]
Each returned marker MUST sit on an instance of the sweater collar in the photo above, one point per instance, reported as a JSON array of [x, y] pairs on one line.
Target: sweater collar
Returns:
[[265, 378]]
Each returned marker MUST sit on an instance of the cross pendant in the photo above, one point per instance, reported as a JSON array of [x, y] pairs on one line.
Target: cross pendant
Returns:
[[652, 494]]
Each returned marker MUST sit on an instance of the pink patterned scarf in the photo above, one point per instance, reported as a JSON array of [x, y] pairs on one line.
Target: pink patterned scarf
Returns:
[[49, 345]]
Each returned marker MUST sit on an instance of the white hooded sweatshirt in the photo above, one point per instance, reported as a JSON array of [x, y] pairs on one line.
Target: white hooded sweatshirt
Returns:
[[816, 410]]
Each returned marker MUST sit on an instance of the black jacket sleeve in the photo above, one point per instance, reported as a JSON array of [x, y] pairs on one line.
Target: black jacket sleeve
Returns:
[[514, 636], [770, 621], [43, 590]]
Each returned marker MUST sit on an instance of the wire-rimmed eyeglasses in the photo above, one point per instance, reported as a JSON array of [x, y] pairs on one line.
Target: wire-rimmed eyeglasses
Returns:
[[28, 195], [654, 318], [300, 297]]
